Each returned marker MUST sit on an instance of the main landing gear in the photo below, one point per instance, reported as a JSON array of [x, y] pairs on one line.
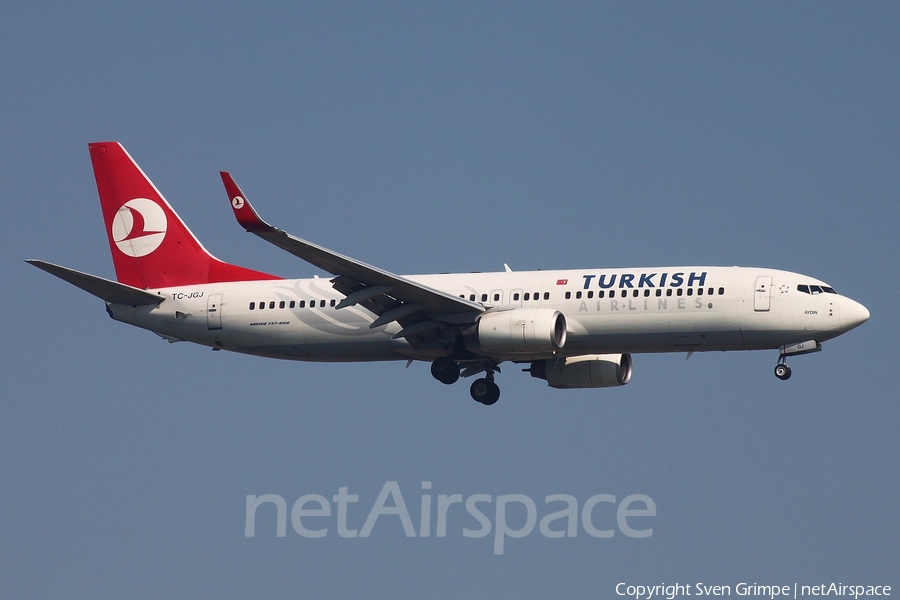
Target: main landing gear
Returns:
[[483, 389], [782, 371], [445, 370]]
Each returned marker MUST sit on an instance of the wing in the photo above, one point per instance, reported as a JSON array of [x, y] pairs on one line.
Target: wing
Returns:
[[419, 309], [110, 291]]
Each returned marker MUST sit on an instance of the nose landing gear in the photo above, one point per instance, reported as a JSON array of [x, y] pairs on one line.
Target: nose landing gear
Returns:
[[782, 371]]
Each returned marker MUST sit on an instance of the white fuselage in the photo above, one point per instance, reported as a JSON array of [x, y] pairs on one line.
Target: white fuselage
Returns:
[[666, 309]]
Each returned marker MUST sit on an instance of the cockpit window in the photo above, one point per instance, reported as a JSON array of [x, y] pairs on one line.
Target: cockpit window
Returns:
[[815, 289]]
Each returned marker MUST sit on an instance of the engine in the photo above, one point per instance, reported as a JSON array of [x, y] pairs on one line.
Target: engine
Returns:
[[588, 371], [523, 332]]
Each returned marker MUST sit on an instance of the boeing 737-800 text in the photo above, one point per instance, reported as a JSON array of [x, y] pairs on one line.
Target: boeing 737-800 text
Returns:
[[573, 328]]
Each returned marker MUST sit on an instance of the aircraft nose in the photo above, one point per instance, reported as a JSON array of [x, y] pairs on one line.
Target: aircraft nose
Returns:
[[853, 314]]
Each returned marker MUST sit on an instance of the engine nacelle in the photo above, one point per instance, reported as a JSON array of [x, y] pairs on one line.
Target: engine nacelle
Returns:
[[588, 371], [521, 332]]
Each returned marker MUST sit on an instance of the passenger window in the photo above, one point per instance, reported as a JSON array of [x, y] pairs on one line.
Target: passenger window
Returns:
[[536, 295], [635, 293], [471, 297], [292, 304], [721, 291], [303, 304], [680, 292], [700, 292], [281, 304], [333, 302], [569, 295], [612, 293], [601, 293], [710, 291], [252, 305], [578, 295], [496, 297], [690, 291], [484, 297], [646, 293], [658, 293], [516, 297], [546, 295], [669, 292], [590, 294], [527, 295], [272, 304]]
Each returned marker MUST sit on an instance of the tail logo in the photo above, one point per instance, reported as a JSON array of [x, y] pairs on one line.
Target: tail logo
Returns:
[[139, 227], [237, 202]]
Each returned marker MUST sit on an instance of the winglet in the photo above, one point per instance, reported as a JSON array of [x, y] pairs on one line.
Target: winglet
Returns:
[[245, 214]]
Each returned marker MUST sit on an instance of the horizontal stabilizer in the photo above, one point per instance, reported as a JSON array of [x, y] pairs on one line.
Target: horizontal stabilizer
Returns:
[[110, 291]]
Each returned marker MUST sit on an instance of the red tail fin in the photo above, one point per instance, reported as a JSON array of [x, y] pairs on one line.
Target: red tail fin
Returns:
[[150, 245]]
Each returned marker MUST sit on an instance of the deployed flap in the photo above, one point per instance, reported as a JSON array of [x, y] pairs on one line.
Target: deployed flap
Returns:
[[353, 275], [110, 291]]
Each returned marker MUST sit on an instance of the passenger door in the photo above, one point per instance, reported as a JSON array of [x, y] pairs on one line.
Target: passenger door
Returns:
[[762, 293], [214, 312]]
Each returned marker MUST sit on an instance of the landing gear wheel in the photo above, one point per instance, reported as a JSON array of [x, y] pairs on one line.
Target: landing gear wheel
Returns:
[[494, 394], [480, 390], [782, 372], [445, 370], [484, 391]]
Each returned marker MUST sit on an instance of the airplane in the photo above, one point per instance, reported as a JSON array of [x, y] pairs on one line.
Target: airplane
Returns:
[[572, 328]]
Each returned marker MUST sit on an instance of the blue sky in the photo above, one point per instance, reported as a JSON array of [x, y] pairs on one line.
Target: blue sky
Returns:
[[450, 138]]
